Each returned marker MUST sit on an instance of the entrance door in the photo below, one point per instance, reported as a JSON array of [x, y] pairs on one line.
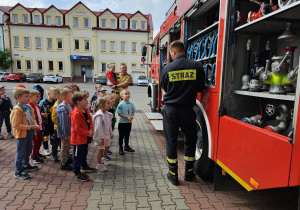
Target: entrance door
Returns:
[[88, 72]]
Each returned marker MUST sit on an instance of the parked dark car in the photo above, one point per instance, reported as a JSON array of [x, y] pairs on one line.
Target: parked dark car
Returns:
[[35, 77], [101, 80], [16, 77]]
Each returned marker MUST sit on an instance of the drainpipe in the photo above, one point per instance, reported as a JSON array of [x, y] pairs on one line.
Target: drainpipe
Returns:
[[12, 66]]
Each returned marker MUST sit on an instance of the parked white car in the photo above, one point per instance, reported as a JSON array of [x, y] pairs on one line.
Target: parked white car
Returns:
[[142, 80], [53, 78], [3, 77]]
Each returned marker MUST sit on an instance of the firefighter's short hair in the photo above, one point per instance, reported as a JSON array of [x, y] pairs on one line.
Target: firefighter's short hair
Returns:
[[178, 46]]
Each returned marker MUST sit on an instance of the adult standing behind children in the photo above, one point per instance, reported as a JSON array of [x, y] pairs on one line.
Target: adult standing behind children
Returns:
[[23, 121], [123, 79], [125, 111], [81, 135], [64, 128], [5, 107]]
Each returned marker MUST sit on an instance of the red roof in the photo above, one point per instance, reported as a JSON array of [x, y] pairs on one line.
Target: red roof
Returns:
[[7, 9]]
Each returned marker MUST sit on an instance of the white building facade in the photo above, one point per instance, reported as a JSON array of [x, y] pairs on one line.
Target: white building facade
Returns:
[[76, 42]]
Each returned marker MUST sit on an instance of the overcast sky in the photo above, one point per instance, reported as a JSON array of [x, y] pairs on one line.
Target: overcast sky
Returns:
[[157, 8]]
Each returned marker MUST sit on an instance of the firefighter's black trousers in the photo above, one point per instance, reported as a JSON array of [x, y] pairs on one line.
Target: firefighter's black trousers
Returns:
[[176, 116]]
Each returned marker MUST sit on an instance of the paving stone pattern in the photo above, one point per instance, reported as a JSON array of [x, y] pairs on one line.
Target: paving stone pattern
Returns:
[[134, 181]]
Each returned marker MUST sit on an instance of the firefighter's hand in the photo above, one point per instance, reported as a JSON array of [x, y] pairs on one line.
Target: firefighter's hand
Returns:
[[45, 115]]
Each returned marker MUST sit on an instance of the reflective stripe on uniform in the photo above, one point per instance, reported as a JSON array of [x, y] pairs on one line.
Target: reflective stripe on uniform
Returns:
[[190, 169], [172, 160], [172, 173], [189, 158]]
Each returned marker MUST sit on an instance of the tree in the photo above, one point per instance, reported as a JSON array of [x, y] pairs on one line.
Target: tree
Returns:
[[5, 61]]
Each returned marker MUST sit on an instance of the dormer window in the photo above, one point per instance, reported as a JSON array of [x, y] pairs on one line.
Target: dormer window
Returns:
[[103, 23], [133, 25], [25, 19], [15, 18], [48, 20], [86, 22], [123, 24], [113, 24], [75, 21], [58, 20], [143, 25], [37, 20]]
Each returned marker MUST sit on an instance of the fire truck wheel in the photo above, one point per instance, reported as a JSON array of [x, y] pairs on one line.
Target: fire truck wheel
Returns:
[[203, 166]]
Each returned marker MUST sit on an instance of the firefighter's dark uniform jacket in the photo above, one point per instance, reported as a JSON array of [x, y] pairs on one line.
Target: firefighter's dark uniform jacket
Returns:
[[181, 80]]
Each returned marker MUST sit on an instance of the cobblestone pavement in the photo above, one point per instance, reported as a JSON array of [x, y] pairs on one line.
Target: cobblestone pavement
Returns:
[[134, 181]]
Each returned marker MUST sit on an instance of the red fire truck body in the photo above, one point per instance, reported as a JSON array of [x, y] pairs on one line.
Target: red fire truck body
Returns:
[[251, 153]]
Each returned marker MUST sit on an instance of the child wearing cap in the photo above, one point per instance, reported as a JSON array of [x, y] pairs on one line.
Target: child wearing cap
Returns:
[[5, 107], [101, 92]]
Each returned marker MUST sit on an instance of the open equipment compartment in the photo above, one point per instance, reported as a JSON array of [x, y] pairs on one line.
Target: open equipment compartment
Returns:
[[201, 37], [248, 98]]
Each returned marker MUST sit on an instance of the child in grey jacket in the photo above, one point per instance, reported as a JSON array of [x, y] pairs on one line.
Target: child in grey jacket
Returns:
[[64, 128], [102, 130]]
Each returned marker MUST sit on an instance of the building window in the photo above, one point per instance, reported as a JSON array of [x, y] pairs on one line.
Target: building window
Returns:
[[49, 43], [112, 46], [26, 42], [134, 25], [103, 67], [37, 20], [17, 41], [143, 25], [103, 23], [86, 44], [86, 22], [48, 19], [38, 44], [76, 44], [39, 65], [25, 19], [134, 47], [50, 65], [60, 66], [113, 24], [75, 21], [123, 24], [123, 47], [15, 19], [142, 46], [133, 65], [28, 65], [58, 21], [59, 44], [18, 65], [103, 45]]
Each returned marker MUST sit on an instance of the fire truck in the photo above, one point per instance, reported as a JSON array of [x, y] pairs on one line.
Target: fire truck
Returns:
[[247, 116]]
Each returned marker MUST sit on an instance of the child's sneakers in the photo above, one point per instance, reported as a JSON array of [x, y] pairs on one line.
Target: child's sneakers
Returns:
[[66, 167], [128, 149], [30, 168], [37, 160], [105, 161], [82, 177], [1, 137], [107, 157], [101, 167], [21, 175], [87, 170], [57, 159], [109, 152], [46, 152], [10, 136], [41, 156]]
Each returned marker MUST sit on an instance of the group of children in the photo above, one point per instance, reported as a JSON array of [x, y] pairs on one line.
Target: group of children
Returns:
[[65, 118]]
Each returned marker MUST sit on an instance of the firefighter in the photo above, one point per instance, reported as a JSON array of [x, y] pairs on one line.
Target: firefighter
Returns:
[[123, 79], [181, 80]]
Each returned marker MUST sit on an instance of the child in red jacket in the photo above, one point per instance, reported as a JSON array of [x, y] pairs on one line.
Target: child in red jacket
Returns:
[[81, 135]]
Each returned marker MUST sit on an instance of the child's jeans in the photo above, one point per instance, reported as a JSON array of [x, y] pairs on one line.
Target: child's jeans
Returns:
[[24, 149], [65, 150], [55, 144], [37, 143], [80, 153], [5, 116], [124, 133]]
